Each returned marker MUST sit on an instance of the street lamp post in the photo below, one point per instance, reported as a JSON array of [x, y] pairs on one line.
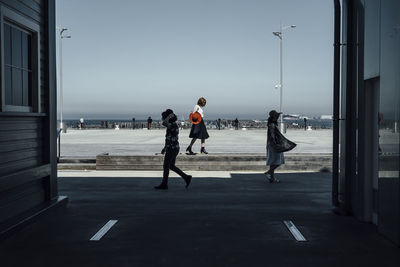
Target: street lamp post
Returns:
[[280, 36], [61, 31]]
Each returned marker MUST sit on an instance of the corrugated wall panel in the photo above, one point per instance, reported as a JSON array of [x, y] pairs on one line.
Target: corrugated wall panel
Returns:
[[18, 165], [24, 7]]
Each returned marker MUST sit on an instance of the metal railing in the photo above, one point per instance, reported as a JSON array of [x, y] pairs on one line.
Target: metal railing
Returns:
[[59, 144]]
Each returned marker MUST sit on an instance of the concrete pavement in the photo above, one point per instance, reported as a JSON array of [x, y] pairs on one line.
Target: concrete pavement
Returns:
[[235, 221]]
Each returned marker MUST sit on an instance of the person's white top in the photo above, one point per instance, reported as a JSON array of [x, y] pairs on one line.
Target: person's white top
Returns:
[[199, 110]]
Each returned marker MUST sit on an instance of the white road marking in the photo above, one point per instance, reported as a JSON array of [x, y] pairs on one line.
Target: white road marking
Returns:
[[103, 230], [141, 174], [295, 232]]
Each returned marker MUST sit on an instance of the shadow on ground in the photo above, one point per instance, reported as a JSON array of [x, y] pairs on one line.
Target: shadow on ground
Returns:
[[216, 222]]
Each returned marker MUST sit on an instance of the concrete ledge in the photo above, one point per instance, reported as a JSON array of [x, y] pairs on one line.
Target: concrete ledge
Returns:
[[215, 162], [78, 160], [76, 166]]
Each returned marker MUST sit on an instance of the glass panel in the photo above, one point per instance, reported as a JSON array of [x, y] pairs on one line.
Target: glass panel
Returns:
[[16, 47], [389, 121], [26, 51], [8, 86], [26, 88], [7, 44], [30, 93], [17, 87], [30, 52]]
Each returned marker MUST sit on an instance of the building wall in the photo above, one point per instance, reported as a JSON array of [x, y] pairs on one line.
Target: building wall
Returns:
[[372, 38], [27, 164], [370, 101], [389, 186]]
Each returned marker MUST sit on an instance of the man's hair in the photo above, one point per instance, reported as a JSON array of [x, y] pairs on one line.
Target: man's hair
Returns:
[[166, 113]]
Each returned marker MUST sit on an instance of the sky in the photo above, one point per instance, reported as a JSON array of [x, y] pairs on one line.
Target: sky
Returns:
[[135, 58]]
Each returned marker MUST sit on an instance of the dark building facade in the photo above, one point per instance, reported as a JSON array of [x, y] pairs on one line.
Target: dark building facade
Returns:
[[366, 106], [28, 177]]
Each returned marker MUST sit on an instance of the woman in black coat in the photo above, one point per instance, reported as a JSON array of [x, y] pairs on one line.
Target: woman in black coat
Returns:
[[276, 145]]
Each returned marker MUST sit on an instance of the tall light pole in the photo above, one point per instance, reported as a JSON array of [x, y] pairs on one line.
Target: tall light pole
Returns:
[[61, 32], [280, 36]]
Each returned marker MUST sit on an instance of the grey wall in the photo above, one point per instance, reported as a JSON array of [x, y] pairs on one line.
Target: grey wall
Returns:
[[388, 185], [373, 63], [372, 39]]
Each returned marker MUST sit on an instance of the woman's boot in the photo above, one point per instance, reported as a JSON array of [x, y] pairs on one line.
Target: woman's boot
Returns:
[[189, 151], [203, 150]]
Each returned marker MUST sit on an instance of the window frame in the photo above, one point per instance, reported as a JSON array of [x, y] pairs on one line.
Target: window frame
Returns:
[[23, 24]]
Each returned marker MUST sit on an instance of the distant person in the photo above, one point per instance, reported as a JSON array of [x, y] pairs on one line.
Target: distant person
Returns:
[[198, 131], [305, 124], [149, 122], [171, 150], [276, 145], [236, 122], [81, 121], [219, 123], [133, 123]]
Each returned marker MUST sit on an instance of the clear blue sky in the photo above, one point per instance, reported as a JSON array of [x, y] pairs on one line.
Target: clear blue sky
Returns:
[[134, 58]]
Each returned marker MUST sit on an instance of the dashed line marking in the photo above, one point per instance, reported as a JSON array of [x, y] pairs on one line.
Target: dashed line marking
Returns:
[[103, 230], [295, 232]]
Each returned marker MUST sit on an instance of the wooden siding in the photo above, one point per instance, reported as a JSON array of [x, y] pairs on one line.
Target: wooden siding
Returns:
[[20, 143], [24, 139]]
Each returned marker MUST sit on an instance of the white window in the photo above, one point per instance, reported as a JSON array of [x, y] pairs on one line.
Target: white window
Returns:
[[20, 83]]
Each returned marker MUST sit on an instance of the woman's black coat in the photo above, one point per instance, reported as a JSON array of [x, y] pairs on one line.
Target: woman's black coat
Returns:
[[277, 140]]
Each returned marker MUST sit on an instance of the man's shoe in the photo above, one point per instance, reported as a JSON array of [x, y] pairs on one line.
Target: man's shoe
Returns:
[[161, 187], [188, 179]]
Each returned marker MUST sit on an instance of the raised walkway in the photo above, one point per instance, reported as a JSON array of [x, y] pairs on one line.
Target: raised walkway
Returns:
[[90, 143], [230, 150], [211, 162], [236, 220]]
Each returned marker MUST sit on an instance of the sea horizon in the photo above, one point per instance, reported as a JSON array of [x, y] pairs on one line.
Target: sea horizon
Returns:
[[138, 117]]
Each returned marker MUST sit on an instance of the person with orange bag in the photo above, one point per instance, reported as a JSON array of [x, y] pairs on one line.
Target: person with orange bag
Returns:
[[199, 130]]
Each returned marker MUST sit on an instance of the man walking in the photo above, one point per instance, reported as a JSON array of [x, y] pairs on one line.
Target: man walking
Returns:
[[149, 122]]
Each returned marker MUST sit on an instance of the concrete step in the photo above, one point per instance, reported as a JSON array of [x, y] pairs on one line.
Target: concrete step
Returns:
[[215, 162], [78, 160], [76, 166]]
